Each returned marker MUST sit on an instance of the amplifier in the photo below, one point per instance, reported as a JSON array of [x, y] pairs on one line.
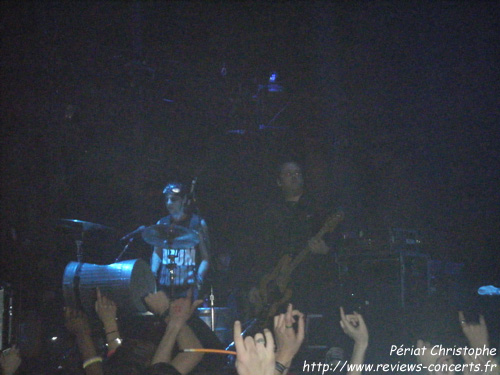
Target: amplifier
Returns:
[[379, 241], [405, 239], [389, 278]]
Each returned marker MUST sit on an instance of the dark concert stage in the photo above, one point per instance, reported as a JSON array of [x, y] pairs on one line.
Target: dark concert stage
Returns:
[[390, 107]]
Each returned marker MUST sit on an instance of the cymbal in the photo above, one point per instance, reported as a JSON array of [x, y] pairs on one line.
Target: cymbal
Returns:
[[170, 237], [81, 226]]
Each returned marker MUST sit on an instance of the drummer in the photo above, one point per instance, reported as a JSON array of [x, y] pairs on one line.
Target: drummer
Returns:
[[192, 263]]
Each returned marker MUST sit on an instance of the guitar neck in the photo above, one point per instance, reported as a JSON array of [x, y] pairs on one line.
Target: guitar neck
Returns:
[[327, 227], [299, 258]]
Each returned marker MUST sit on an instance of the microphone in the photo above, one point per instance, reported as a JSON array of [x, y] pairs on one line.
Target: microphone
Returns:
[[191, 197], [132, 234]]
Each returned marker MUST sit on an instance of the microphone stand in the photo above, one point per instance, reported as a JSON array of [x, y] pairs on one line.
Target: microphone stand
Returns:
[[11, 319], [79, 250]]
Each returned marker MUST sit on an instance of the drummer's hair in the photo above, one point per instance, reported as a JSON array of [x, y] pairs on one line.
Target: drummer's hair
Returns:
[[175, 188]]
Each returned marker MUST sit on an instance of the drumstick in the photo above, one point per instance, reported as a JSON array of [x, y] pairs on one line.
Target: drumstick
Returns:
[[203, 350]]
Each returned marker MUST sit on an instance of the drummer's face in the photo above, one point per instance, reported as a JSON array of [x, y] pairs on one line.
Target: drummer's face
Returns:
[[175, 204]]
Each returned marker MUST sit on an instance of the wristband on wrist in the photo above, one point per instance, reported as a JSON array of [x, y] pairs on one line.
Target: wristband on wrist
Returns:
[[91, 361], [110, 332], [279, 367]]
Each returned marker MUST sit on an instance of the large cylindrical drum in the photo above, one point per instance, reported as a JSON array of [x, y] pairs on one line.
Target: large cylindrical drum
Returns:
[[126, 283]]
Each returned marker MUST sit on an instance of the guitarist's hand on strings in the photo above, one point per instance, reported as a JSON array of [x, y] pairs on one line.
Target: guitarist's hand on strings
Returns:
[[288, 339], [317, 246], [254, 296]]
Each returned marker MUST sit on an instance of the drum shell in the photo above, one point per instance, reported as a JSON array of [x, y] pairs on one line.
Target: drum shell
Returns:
[[126, 283]]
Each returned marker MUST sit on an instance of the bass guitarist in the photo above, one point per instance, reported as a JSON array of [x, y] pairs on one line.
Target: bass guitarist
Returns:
[[290, 225]]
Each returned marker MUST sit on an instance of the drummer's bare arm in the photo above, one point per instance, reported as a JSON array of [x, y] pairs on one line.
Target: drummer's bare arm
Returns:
[[205, 251], [156, 259], [204, 235]]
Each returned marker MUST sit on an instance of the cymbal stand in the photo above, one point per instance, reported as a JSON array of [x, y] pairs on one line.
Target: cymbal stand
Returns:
[[212, 309], [79, 247], [171, 267], [79, 250], [78, 270]]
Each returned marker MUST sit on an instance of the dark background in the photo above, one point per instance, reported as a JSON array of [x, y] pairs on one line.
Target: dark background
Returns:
[[391, 106]]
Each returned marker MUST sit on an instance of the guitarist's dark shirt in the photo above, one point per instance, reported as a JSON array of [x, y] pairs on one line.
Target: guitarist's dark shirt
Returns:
[[286, 228]]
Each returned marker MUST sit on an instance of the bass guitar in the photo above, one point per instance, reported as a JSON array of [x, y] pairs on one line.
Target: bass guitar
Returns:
[[274, 289]]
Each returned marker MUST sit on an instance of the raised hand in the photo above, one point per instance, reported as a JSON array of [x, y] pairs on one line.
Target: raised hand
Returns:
[[105, 308], [443, 363], [427, 358], [354, 326], [479, 364], [288, 340], [181, 309], [477, 334], [255, 355], [76, 321], [10, 360], [157, 302], [78, 324]]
